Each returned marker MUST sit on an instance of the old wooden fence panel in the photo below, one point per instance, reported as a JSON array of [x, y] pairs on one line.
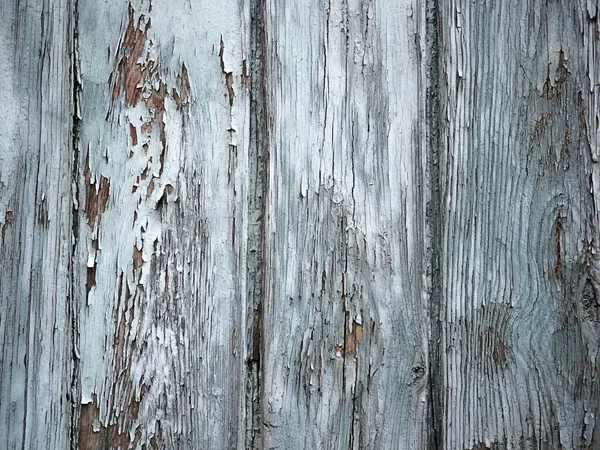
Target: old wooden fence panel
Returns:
[[163, 177], [36, 169], [519, 310], [345, 313], [275, 224]]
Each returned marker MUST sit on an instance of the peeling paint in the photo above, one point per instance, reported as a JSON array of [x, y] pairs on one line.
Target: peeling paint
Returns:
[[345, 315], [271, 224], [164, 282]]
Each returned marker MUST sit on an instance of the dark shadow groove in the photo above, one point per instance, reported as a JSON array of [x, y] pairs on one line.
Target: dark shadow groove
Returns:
[[435, 222], [258, 163]]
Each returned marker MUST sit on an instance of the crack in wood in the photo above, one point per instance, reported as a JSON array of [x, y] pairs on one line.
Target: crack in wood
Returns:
[[258, 166], [435, 433]]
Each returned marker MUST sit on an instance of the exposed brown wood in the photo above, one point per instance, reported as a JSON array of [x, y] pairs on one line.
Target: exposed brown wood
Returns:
[[162, 362]]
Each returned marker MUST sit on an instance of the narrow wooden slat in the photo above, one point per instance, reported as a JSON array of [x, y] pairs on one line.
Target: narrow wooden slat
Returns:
[[345, 325], [163, 187], [520, 191], [35, 224]]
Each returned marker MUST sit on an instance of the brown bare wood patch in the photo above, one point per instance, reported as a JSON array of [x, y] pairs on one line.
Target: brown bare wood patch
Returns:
[[96, 199], [541, 124], [146, 128], [129, 71], [246, 79], [106, 436], [91, 271], [353, 334], [228, 75], [137, 258], [133, 135]]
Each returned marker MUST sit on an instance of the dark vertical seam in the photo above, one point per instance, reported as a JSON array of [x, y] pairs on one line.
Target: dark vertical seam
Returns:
[[258, 161], [434, 219], [73, 303]]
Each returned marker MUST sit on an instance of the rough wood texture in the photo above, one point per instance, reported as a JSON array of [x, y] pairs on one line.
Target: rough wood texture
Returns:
[[35, 224], [163, 187], [274, 224], [345, 317], [520, 267]]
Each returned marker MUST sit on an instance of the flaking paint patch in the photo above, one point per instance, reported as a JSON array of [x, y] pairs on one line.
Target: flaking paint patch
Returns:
[[131, 70], [145, 103], [166, 281], [345, 316]]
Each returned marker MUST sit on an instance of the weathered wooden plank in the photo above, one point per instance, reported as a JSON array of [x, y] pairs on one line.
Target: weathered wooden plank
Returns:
[[163, 187], [520, 213], [35, 224], [345, 325]]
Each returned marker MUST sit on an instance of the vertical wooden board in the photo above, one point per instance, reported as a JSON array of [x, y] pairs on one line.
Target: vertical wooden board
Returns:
[[163, 181], [520, 265], [345, 325], [35, 224]]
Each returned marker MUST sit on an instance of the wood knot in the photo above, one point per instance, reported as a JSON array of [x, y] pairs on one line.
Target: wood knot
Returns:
[[589, 302], [417, 372]]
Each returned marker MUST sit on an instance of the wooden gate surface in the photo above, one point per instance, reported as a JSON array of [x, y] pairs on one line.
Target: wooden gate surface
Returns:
[[274, 224]]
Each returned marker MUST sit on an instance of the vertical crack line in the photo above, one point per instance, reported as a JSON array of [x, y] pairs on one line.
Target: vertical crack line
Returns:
[[73, 303], [258, 162], [435, 223]]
